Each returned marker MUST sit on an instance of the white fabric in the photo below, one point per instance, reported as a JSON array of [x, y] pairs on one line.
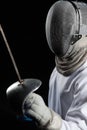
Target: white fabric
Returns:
[[68, 98], [35, 107]]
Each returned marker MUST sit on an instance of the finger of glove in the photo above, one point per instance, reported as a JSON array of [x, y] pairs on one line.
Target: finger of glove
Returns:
[[33, 98], [28, 101], [34, 115], [37, 109]]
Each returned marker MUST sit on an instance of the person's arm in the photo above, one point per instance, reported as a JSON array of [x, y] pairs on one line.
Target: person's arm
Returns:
[[76, 117]]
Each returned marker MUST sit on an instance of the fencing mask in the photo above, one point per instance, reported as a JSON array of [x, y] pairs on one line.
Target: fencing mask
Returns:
[[66, 22], [66, 25]]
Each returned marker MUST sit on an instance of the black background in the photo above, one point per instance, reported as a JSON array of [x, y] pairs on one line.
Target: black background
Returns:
[[24, 25]]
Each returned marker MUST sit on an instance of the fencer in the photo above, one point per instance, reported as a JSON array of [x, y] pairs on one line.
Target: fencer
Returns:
[[66, 30]]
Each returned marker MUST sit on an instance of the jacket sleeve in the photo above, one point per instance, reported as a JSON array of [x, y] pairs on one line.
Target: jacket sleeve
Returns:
[[76, 116]]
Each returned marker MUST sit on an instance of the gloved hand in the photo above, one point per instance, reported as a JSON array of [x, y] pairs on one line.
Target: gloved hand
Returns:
[[34, 106]]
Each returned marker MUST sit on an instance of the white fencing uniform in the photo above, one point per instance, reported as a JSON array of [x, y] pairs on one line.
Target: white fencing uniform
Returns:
[[68, 98]]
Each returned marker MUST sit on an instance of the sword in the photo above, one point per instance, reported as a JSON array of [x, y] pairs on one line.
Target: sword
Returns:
[[17, 92]]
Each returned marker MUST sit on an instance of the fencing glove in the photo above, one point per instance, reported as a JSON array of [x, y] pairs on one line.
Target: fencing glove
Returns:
[[35, 107]]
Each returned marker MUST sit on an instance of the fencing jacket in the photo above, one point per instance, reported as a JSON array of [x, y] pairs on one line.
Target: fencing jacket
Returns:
[[68, 98]]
